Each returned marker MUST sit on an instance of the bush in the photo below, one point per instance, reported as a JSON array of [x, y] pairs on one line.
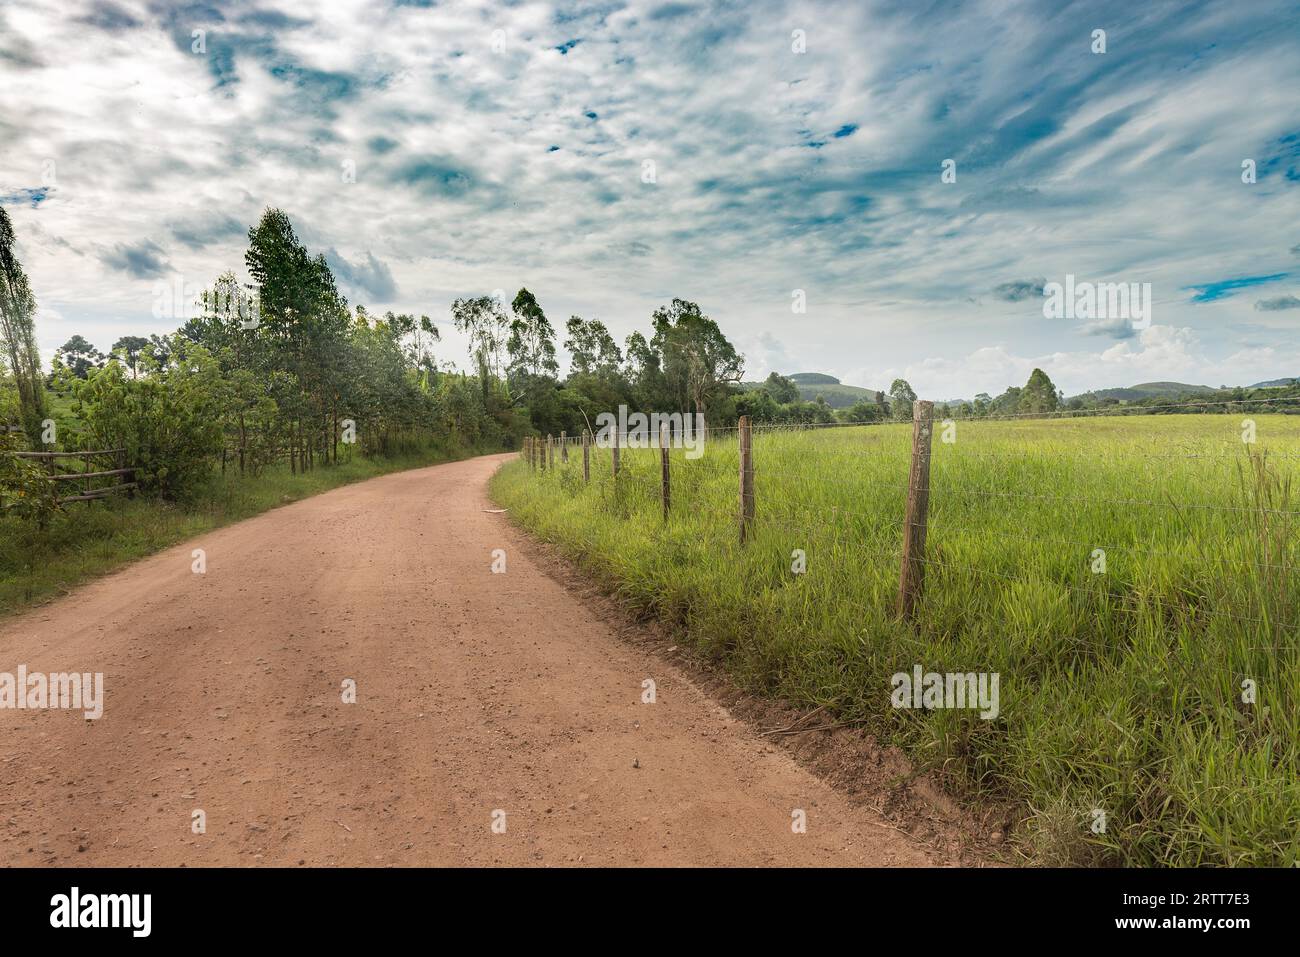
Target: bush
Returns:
[[24, 490], [168, 420]]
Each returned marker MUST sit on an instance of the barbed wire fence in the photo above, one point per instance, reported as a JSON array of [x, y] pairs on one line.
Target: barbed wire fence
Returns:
[[638, 475]]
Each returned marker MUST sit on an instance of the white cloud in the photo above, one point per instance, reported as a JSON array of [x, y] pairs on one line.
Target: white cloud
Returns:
[[1111, 168]]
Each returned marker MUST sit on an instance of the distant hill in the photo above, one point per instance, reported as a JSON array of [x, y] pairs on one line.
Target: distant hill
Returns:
[[1273, 383], [813, 378], [812, 384], [1152, 390], [841, 396]]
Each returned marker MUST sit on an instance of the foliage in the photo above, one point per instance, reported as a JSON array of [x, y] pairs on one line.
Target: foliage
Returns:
[[1039, 394], [169, 421], [699, 364], [902, 397], [25, 492], [79, 357]]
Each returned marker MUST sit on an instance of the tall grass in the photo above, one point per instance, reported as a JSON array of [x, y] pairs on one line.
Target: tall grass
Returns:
[[1121, 691]]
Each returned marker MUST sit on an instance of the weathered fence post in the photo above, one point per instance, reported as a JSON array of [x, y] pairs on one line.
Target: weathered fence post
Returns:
[[614, 432], [541, 452], [746, 437], [586, 456], [550, 452], [912, 577], [564, 446], [663, 464]]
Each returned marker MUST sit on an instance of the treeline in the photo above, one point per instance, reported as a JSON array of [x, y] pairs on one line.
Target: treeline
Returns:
[[778, 400], [283, 369]]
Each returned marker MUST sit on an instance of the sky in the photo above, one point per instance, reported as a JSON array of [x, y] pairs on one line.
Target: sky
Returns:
[[871, 190]]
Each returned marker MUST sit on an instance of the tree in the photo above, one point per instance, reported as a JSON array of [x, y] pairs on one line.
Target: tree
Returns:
[[592, 348], [644, 373], [531, 345], [1039, 394], [169, 421], [864, 410], [782, 389], [1008, 403], [18, 335], [699, 364], [902, 398], [128, 349], [307, 321], [79, 356], [484, 323]]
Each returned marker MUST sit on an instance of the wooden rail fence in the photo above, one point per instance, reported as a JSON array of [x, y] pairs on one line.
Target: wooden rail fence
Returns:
[[95, 467]]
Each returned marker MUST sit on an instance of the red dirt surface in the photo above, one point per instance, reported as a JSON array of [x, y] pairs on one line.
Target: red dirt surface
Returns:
[[475, 693]]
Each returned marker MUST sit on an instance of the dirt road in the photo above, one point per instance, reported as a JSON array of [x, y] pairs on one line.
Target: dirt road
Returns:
[[481, 698]]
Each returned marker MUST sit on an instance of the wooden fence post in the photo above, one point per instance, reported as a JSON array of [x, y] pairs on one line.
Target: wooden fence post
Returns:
[[746, 437], [663, 460], [541, 452], [614, 431], [564, 446], [912, 577], [586, 456], [550, 452]]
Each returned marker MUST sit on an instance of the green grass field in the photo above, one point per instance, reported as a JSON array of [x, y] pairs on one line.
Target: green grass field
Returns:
[[1120, 691], [88, 539]]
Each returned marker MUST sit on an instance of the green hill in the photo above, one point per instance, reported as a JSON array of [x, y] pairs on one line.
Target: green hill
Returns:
[[812, 384], [1152, 390], [813, 378]]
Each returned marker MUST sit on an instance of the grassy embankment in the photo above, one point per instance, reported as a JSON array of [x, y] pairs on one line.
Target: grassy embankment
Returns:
[[88, 539], [1119, 692]]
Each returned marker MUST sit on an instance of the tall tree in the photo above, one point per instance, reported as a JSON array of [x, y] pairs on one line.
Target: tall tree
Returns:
[[128, 349], [532, 340], [79, 356], [699, 364], [592, 349], [1039, 394], [18, 334], [902, 398], [304, 315], [782, 389], [644, 372], [484, 323]]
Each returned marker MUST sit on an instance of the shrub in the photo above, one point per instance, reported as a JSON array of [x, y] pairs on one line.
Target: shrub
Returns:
[[169, 420]]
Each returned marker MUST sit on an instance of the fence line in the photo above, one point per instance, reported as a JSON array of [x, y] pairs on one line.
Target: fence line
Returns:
[[640, 473], [56, 472]]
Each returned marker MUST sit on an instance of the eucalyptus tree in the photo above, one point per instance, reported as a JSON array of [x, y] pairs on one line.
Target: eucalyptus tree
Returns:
[[18, 348], [700, 366]]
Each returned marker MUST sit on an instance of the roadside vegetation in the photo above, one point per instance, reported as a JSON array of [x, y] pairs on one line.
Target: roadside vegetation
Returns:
[[1156, 692], [277, 387]]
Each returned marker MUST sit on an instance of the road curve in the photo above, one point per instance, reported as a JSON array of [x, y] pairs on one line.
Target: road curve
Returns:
[[481, 698]]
